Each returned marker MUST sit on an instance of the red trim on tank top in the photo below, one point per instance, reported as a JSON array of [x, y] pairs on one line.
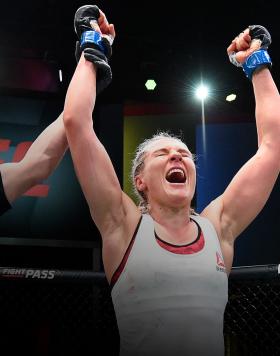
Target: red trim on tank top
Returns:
[[188, 249], [119, 270]]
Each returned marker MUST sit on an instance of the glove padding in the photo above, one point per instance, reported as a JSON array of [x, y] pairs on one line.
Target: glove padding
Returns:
[[83, 17], [258, 32], [104, 73]]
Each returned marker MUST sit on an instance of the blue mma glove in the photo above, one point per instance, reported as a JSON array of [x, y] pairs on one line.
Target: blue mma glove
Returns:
[[258, 58], [96, 48]]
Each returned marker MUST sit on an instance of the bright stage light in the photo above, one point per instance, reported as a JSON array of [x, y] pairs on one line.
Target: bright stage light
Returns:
[[231, 97], [202, 92], [150, 84]]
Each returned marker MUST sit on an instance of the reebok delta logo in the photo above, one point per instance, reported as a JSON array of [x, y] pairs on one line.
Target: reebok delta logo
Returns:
[[220, 265]]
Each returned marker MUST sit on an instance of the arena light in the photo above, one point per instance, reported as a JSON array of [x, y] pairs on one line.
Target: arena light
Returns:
[[60, 75], [231, 97], [150, 84], [202, 92]]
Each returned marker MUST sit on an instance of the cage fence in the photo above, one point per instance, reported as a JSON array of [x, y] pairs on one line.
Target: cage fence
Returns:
[[54, 312]]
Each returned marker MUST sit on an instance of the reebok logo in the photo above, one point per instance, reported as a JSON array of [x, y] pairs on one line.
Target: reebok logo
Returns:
[[220, 267]]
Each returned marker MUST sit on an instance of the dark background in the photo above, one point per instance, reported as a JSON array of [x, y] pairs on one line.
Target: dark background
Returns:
[[177, 44]]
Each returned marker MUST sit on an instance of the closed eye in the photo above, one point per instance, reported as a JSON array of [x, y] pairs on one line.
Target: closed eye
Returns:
[[160, 153], [186, 154], [164, 152]]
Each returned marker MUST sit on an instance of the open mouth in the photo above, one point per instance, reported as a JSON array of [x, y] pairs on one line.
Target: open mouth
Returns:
[[176, 175]]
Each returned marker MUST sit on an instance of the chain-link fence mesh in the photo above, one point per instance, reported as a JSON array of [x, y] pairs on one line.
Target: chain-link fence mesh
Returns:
[[252, 316], [72, 314]]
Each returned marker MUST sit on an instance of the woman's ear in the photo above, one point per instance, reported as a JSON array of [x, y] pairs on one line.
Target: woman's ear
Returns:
[[140, 184]]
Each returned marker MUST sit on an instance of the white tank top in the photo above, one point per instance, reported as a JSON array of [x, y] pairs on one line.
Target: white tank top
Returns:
[[169, 303]]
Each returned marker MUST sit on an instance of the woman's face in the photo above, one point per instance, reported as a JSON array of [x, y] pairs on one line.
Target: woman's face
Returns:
[[168, 176]]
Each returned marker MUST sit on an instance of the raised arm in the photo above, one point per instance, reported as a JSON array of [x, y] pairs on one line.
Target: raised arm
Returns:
[[249, 190], [39, 162], [108, 204]]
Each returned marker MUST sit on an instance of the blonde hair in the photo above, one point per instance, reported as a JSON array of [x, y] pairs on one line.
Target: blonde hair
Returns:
[[138, 165]]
